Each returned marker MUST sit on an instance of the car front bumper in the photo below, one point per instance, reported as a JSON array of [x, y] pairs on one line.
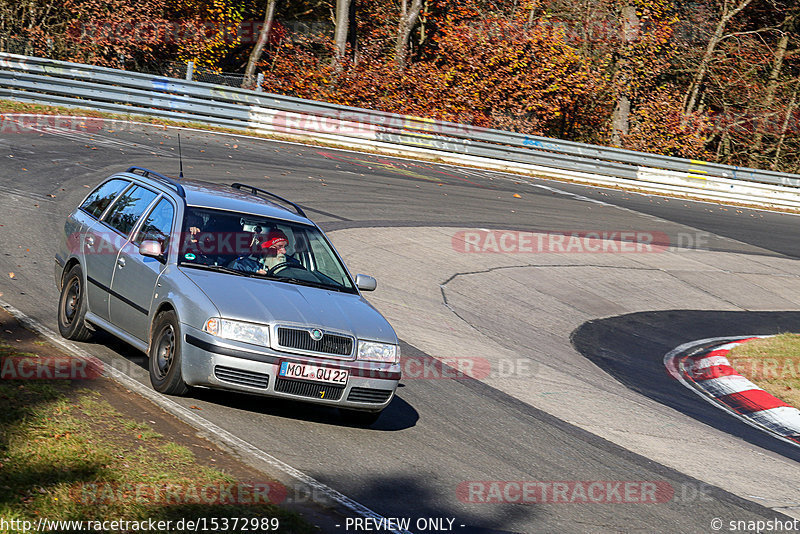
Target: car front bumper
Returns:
[[212, 362]]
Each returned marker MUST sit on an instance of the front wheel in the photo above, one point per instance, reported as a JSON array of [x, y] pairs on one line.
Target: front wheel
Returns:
[[165, 355], [72, 307]]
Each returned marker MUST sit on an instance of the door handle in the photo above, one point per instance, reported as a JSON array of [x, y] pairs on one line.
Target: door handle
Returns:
[[89, 241], [121, 262]]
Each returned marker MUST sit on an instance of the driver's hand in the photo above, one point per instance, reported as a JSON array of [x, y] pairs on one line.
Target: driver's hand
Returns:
[[261, 271]]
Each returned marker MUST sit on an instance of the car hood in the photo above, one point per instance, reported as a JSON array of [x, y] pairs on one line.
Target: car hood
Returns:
[[266, 301]]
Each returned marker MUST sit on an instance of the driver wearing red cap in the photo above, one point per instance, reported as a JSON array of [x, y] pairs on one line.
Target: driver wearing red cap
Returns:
[[269, 252], [273, 249]]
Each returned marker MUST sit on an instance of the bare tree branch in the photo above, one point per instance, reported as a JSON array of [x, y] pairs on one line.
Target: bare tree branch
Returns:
[[263, 37], [692, 94]]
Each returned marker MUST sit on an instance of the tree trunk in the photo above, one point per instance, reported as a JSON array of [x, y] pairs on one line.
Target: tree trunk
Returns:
[[352, 37], [532, 12], [408, 18], [726, 147], [769, 98], [341, 31], [692, 94], [784, 129], [621, 118], [263, 37], [423, 21]]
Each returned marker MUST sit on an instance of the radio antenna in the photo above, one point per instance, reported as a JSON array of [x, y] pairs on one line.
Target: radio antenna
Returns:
[[180, 156]]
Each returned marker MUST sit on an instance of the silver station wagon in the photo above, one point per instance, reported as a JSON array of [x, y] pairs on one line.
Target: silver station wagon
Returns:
[[227, 287]]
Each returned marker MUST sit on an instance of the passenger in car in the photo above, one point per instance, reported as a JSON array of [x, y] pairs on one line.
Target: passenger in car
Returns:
[[192, 241], [211, 240], [194, 223]]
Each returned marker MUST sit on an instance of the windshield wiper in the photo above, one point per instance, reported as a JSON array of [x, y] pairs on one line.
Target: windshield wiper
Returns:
[[219, 268], [308, 283]]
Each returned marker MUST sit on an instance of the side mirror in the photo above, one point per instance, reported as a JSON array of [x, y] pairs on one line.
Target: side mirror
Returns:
[[151, 249], [366, 283]]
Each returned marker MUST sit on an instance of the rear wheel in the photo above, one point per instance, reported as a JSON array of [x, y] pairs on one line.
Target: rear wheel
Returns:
[[358, 417], [72, 306], [165, 355]]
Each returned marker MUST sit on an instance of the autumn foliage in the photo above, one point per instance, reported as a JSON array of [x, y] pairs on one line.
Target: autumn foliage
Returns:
[[606, 72], [145, 34]]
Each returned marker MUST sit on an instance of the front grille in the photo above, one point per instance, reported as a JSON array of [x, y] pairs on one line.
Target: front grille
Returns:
[[296, 338], [242, 378], [309, 389], [377, 396]]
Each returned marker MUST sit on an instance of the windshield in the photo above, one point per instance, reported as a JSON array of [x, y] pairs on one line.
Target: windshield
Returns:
[[249, 245]]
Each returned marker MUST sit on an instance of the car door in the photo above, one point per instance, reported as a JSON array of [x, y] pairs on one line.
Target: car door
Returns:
[[115, 229], [135, 276], [98, 246]]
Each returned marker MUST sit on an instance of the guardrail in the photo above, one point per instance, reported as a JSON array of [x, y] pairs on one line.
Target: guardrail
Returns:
[[40, 80]]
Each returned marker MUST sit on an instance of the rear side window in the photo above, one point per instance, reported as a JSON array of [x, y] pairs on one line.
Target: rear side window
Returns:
[[128, 208], [101, 197]]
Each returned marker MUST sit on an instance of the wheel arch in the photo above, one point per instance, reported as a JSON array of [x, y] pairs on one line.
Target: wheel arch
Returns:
[[72, 262], [162, 307]]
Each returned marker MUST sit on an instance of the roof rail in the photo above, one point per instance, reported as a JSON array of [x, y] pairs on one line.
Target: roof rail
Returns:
[[255, 191], [147, 173]]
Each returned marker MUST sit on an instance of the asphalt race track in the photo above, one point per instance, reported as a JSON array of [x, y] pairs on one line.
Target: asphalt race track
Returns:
[[567, 342]]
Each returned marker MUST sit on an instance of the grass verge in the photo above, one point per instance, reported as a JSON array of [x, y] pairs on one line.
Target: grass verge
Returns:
[[771, 363], [67, 454]]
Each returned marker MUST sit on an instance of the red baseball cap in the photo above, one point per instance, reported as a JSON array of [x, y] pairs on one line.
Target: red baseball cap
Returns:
[[275, 239]]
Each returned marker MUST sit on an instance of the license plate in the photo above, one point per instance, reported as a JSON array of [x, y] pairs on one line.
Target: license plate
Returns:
[[305, 371]]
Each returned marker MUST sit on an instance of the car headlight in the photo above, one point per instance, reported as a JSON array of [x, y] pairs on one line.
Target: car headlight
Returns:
[[255, 334], [378, 352]]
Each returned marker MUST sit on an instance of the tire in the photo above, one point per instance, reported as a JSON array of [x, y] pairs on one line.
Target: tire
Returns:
[[358, 417], [165, 355], [72, 306]]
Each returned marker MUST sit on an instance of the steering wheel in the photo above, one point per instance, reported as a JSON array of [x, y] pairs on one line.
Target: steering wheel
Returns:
[[285, 265]]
